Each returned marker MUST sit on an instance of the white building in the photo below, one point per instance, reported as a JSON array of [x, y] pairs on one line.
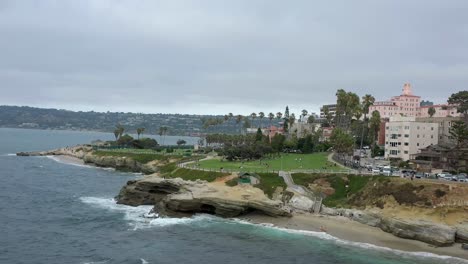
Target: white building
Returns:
[[404, 136]]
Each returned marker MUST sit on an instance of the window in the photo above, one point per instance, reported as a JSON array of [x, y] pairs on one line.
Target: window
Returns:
[[432, 136], [417, 144], [432, 128], [418, 135], [406, 136], [406, 152], [406, 144]]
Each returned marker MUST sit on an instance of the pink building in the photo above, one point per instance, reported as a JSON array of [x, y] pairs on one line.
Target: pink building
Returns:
[[405, 104], [408, 104]]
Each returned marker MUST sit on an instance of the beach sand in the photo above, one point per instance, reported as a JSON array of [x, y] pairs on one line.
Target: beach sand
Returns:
[[68, 160], [346, 229]]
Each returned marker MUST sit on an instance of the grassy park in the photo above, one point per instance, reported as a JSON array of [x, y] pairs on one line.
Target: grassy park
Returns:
[[287, 162]]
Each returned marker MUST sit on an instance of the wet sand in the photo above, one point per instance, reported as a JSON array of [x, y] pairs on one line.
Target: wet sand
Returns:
[[346, 229], [69, 160]]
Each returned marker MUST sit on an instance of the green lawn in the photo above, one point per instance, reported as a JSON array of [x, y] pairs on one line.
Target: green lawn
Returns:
[[286, 162], [193, 175], [148, 151]]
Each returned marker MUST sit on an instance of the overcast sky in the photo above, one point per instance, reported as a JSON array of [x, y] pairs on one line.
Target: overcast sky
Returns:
[[227, 56]]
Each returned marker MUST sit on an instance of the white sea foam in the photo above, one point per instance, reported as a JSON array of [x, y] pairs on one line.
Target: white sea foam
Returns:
[[97, 262], [143, 261], [8, 155], [136, 219], [136, 215]]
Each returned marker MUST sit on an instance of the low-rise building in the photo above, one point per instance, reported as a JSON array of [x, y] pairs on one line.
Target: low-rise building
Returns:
[[441, 110], [445, 123], [404, 137], [436, 158]]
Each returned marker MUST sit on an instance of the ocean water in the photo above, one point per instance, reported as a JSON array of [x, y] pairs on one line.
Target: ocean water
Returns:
[[51, 212]]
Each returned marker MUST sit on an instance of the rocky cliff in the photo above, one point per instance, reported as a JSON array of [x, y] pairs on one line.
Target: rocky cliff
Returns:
[[173, 196], [85, 153]]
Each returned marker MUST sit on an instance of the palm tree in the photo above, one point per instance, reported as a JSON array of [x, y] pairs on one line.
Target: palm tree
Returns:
[[140, 130], [279, 115], [304, 113], [261, 115], [162, 133], [253, 116], [119, 130], [431, 111], [238, 121], [271, 116], [367, 101]]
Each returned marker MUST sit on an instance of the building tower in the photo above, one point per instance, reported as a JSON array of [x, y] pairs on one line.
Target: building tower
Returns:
[[407, 89]]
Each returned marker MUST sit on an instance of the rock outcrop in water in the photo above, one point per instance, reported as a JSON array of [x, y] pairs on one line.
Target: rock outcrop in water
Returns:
[[173, 196], [85, 153]]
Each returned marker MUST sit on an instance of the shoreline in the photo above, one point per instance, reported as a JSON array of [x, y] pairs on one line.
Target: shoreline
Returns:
[[349, 230], [339, 227]]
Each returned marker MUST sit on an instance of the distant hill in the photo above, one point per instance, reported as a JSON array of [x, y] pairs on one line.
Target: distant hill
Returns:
[[41, 118]]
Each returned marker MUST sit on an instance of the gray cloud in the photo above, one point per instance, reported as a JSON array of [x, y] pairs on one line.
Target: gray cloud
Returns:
[[227, 56]]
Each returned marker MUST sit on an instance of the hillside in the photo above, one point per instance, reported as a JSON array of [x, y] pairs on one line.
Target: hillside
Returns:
[[41, 118]]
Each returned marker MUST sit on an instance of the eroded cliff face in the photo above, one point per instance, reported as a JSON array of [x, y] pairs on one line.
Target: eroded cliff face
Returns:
[[121, 163], [173, 196], [85, 153]]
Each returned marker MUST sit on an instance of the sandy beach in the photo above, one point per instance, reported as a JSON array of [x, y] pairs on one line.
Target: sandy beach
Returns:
[[346, 229], [68, 160]]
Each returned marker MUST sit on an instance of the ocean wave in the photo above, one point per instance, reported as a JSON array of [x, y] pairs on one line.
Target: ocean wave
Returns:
[[326, 236], [8, 155], [136, 215], [136, 219]]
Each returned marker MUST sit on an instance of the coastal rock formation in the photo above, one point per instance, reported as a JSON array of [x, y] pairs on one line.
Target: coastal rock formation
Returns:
[[301, 203], [120, 163], [434, 234], [77, 152], [85, 153], [178, 196], [462, 233]]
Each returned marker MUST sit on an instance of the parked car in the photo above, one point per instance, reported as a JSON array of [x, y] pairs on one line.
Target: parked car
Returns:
[[462, 178], [376, 171], [419, 175]]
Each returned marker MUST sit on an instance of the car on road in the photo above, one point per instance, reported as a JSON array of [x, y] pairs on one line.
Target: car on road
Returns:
[[419, 175]]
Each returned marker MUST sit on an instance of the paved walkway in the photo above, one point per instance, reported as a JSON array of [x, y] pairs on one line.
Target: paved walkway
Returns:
[[302, 190]]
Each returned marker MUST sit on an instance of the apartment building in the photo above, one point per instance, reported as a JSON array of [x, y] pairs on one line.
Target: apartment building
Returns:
[[445, 124], [331, 109], [404, 136]]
